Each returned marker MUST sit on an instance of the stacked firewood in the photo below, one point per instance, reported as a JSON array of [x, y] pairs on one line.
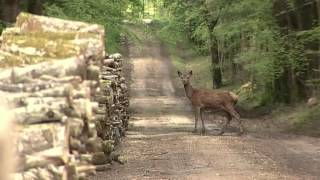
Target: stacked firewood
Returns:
[[68, 127], [112, 113], [55, 134], [69, 101]]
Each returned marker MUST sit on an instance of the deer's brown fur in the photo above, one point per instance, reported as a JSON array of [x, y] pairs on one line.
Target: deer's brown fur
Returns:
[[210, 99]]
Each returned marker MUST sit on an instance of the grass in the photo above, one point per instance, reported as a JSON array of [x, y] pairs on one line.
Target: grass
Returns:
[[297, 119], [306, 121]]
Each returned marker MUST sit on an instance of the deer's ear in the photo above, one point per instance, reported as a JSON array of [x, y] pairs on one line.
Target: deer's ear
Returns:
[[179, 73], [190, 73]]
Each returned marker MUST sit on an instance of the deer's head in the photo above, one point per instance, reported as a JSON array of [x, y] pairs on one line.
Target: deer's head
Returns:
[[185, 78]]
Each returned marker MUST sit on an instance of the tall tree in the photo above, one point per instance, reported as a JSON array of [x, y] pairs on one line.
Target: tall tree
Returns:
[[211, 23], [9, 10], [198, 19], [35, 6]]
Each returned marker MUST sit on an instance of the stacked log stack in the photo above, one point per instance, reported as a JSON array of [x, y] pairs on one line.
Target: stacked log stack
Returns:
[[113, 100], [71, 110]]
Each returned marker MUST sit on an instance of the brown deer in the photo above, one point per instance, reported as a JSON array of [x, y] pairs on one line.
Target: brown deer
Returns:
[[216, 100]]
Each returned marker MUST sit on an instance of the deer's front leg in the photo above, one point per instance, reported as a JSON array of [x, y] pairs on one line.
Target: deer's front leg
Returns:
[[196, 112], [203, 131]]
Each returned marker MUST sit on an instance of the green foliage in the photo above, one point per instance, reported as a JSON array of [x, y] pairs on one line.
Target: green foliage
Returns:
[[2, 26], [248, 37], [308, 36], [307, 122], [108, 13]]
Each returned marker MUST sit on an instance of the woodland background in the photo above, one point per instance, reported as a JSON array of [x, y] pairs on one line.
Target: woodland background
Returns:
[[266, 50]]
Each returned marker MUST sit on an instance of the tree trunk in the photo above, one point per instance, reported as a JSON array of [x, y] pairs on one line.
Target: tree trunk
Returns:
[[143, 8], [9, 10], [216, 69], [318, 13], [1, 7], [234, 72], [35, 7]]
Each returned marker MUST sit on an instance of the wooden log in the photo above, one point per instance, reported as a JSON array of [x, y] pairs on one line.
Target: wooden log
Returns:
[[93, 72], [70, 172], [92, 130], [109, 77], [91, 168], [23, 113], [59, 91], [34, 142], [56, 171], [94, 145], [29, 162], [50, 116], [107, 68], [90, 83], [35, 113], [77, 145], [31, 174], [45, 174], [36, 70], [40, 138], [109, 63], [87, 169], [108, 146], [76, 127], [66, 79], [99, 158], [26, 101], [24, 87], [85, 158]]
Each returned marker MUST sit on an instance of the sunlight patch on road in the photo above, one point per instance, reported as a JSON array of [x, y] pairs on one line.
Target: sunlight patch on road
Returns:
[[165, 120]]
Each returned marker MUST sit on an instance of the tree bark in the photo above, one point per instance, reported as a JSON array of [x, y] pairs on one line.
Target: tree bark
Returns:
[[35, 7], [1, 7], [213, 48], [9, 10], [216, 69], [318, 13], [143, 8]]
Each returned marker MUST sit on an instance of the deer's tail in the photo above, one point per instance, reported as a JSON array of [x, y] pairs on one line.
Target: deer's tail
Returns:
[[234, 97]]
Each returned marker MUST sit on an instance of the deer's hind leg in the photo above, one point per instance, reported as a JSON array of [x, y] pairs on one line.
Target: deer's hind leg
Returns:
[[236, 116], [229, 118]]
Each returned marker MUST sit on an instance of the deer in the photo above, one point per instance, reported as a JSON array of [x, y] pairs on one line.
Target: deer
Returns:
[[216, 100]]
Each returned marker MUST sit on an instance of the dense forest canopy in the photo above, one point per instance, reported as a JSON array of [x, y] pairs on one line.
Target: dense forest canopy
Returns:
[[272, 44]]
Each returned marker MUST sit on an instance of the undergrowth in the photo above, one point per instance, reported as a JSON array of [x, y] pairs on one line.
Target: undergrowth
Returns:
[[306, 121]]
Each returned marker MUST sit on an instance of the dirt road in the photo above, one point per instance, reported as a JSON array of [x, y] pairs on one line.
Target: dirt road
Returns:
[[160, 144]]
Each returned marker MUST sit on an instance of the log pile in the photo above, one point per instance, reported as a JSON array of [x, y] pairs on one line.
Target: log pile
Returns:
[[69, 117], [36, 39], [72, 127], [56, 136], [112, 113]]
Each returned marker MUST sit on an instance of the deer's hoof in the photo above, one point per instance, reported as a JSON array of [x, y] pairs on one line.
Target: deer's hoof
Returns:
[[240, 133], [194, 131], [203, 132], [220, 133]]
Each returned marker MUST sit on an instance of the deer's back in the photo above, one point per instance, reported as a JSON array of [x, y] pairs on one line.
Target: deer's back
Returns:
[[212, 98]]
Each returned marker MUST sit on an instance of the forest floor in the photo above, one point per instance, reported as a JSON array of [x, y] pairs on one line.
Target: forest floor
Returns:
[[160, 145]]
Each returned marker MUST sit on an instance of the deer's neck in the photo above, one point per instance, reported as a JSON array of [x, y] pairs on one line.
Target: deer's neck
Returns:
[[189, 90]]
